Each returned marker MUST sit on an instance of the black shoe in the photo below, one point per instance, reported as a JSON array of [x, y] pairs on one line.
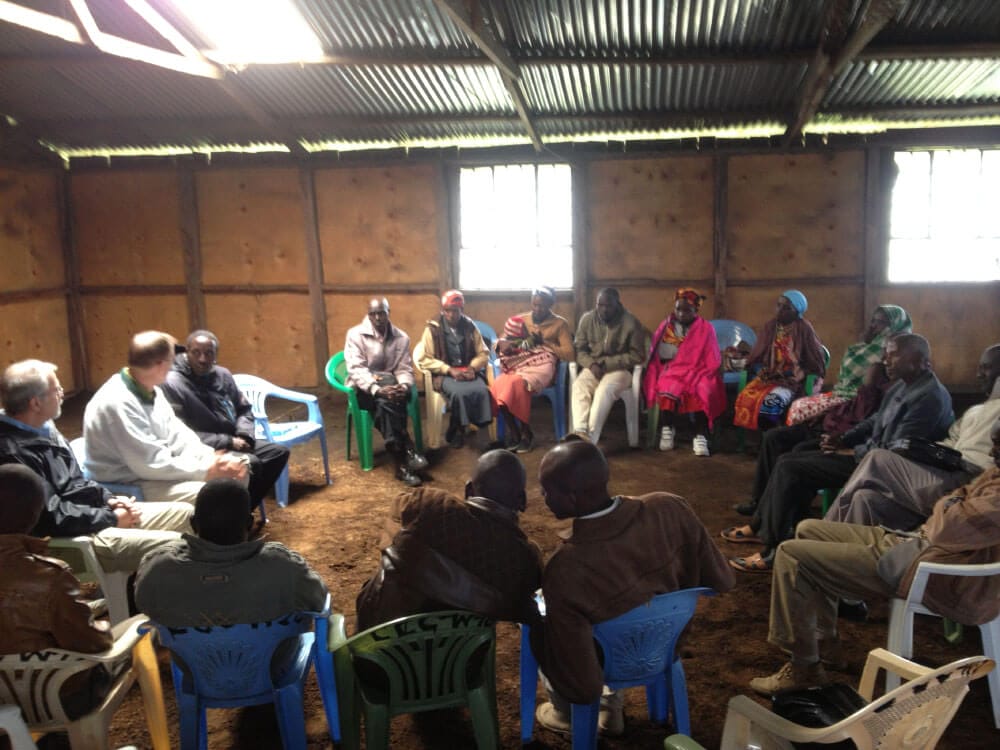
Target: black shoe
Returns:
[[455, 436], [526, 444], [414, 461], [853, 611], [745, 509], [407, 477]]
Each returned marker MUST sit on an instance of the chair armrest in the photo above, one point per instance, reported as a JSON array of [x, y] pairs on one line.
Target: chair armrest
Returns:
[[926, 569], [573, 370], [126, 634], [637, 387], [338, 632], [880, 658], [744, 713], [342, 387], [681, 742]]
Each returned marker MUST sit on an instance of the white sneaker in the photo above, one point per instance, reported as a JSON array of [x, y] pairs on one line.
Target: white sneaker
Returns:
[[700, 446], [667, 439]]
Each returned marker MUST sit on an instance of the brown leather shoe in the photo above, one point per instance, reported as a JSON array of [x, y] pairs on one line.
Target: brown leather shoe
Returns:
[[791, 677]]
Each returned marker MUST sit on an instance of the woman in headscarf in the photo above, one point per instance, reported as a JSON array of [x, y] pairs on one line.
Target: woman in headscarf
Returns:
[[862, 373], [788, 350], [531, 347], [682, 371]]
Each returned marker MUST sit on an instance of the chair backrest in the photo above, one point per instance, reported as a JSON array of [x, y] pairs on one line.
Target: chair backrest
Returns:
[[732, 332], [424, 661], [639, 644], [916, 714], [487, 332], [256, 391], [32, 682], [231, 662], [336, 371]]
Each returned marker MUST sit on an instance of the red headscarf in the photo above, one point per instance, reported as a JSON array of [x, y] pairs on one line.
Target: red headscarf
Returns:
[[453, 298], [691, 295]]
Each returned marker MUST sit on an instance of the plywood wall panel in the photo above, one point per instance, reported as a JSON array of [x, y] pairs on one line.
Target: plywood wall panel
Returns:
[[252, 227], [37, 330], [796, 216], [30, 243], [269, 335], [836, 313], [111, 320], [650, 218], [380, 224], [958, 321], [126, 227]]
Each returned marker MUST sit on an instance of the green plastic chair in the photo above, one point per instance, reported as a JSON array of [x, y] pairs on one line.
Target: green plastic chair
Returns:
[[419, 663], [361, 420]]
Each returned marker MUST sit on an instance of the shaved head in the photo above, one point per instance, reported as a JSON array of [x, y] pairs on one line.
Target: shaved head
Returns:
[[499, 476], [574, 478]]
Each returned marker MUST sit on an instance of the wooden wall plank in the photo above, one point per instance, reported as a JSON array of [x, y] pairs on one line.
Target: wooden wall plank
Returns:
[[314, 255], [36, 329], [74, 303], [29, 230], [650, 218], [251, 226], [267, 335], [112, 320], [796, 216], [126, 227], [380, 224], [191, 240]]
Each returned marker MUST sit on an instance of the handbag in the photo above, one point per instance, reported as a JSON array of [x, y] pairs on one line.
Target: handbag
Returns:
[[818, 707], [929, 453]]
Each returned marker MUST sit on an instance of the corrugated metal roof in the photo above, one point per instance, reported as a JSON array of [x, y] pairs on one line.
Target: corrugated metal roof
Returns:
[[405, 72]]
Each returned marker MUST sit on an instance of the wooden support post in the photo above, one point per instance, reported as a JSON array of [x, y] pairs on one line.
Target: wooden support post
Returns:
[[191, 240], [314, 254], [71, 266], [581, 239], [873, 213], [720, 248], [444, 194]]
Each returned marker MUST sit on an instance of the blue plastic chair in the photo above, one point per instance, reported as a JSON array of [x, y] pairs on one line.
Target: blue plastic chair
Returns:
[[79, 448], [638, 649], [257, 391], [730, 333], [555, 393], [226, 667]]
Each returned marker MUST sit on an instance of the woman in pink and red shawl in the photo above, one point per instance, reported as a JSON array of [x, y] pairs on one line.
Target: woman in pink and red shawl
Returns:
[[683, 371]]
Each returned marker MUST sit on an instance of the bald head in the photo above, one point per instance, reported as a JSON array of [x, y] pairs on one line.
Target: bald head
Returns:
[[574, 478], [22, 499], [499, 476], [150, 348], [913, 342]]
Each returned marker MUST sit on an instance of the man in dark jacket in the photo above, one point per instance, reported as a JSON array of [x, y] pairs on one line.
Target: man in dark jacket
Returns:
[[205, 397], [122, 530]]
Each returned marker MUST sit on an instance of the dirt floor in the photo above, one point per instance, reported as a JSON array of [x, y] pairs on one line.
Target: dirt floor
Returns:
[[336, 528]]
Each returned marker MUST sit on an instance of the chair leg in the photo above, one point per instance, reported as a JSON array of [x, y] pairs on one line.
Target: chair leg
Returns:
[[148, 675], [89, 732], [529, 685], [326, 678], [652, 422], [116, 594], [281, 488], [350, 419], [679, 698], [900, 639], [991, 648], [365, 448], [376, 727], [483, 712], [657, 700], [326, 455], [288, 705], [584, 725]]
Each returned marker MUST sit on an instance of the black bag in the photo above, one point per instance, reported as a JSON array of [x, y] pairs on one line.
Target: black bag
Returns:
[[929, 453], [819, 707]]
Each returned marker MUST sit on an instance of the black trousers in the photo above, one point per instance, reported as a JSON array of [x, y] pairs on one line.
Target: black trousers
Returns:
[[796, 479], [775, 443], [389, 418], [267, 461]]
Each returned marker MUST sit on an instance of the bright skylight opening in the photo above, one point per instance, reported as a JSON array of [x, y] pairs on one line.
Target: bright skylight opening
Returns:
[[242, 32]]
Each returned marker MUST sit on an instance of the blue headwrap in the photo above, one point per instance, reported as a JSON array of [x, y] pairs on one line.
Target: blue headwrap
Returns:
[[798, 300], [545, 291]]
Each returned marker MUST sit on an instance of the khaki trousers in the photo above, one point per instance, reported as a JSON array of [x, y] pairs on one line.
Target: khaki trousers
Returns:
[[122, 549], [825, 562], [591, 400]]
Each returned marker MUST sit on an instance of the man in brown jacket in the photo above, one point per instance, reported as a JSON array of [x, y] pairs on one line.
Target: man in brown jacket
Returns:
[[446, 553], [622, 553], [828, 560], [40, 609]]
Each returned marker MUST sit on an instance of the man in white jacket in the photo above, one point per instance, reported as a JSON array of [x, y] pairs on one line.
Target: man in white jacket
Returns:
[[133, 436]]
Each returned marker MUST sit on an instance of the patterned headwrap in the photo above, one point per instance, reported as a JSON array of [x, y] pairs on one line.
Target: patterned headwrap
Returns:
[[453, 298], [860, 356], [515, 328], [691, 295], [545, 291], [798, 300], [899, 321]]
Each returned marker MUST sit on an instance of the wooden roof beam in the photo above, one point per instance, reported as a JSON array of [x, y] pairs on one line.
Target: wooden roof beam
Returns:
[[833, 55], [467, 17]]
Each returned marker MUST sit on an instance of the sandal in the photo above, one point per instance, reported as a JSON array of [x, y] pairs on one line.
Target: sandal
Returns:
[[753, 564], [736, 535]]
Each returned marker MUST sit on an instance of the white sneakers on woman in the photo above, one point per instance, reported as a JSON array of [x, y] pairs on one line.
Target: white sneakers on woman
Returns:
[[700, 446], [667, 439]]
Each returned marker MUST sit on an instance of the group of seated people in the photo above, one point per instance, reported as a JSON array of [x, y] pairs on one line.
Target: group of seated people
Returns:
[[682, 366], [191, 539]]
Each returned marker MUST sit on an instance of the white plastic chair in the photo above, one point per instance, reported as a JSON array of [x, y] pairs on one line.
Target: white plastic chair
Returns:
[[78, 553], [13, 725], [628, 397], [912, 716], [901, 621], [32, 682], [436, 404], [256, 391]]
